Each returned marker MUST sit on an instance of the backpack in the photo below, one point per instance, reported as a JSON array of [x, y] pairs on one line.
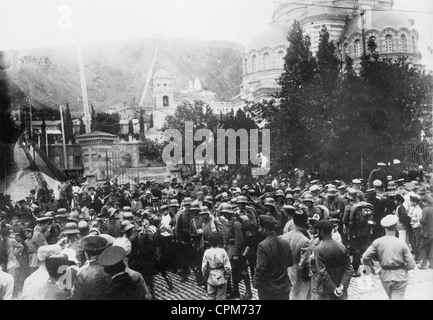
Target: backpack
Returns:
[[250, 231]]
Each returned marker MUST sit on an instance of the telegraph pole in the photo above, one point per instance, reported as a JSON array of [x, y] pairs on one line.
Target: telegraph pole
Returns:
[[63, 137]]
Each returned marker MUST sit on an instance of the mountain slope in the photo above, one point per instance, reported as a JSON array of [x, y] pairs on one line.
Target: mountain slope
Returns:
[[116, 71]]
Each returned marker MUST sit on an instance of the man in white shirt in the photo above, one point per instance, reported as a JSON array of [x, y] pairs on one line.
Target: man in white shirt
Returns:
[[6, 285]]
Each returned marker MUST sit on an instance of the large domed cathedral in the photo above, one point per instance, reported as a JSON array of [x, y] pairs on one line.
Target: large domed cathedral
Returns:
[[393, 32]]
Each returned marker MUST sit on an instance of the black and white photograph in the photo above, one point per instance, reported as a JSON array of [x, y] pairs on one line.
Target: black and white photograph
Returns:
[[216, 150]]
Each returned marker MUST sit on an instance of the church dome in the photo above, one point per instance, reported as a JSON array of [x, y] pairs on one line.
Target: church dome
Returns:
[[379, 20], [160, 74], [272, 37]]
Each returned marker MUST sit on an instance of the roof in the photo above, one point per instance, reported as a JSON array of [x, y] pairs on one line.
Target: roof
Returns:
[[271, 37], [380, 20], [97, 134], [161, 74]]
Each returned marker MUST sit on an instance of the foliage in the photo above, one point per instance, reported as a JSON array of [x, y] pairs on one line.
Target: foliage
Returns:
[[141, 122], [151, 149], [327, 116], [69, 127], [107, 122], [82, 127]]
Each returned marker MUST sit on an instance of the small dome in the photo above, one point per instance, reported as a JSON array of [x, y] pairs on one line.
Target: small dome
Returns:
[[272, 37], [161, 74], [380, 20]]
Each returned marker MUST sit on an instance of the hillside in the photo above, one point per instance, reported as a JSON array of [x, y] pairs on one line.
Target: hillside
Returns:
[[116, 71]]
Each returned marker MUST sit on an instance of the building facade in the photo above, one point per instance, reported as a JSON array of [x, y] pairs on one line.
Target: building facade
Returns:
[[346, 21]]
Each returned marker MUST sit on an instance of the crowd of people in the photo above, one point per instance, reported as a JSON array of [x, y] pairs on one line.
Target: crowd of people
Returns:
[[290, 238]]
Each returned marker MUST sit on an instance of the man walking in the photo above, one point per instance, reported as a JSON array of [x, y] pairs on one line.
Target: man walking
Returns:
[[394, 257]]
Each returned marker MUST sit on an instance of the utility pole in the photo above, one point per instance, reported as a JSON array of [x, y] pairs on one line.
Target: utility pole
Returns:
[[87, 118], [63, 137]]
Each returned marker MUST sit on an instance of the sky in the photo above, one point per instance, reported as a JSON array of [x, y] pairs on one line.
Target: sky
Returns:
[[42, 23]]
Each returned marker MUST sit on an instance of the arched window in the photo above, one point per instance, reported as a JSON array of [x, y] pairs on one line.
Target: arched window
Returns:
[[414, 48], [254, 63], [281, 59], [346, 49], [165, 101], [388, 43], [403, 43], [266, 61], [246, 65], [358, 48]]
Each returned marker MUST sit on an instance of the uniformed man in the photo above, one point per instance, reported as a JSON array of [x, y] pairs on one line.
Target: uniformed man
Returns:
[[356, 184], [378, 174], [394, 257]]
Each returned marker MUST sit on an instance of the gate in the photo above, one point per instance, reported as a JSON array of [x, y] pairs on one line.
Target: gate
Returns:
[[122, 167], [417, 152]]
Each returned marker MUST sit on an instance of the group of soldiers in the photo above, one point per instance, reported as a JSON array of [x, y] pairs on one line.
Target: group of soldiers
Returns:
[[165, 228]]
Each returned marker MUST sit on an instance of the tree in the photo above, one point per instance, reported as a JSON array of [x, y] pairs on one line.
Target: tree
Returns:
[[43, 131], [82, 127], [198, 112], [237, 122], [130, 127], [151, 120], [151, 150], [106, 122], [141, 122], [93, 118], [69, 127], [9, 132]]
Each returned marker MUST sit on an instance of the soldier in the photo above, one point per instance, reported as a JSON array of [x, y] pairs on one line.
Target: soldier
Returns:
[[183, 225], [394, 257], [235, 250], [378, 174], [272, 211], [196, 235], [360, 223], [356, 184]]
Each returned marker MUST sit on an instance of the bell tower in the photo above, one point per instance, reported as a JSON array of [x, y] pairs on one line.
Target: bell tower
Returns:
[[163, 97]]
